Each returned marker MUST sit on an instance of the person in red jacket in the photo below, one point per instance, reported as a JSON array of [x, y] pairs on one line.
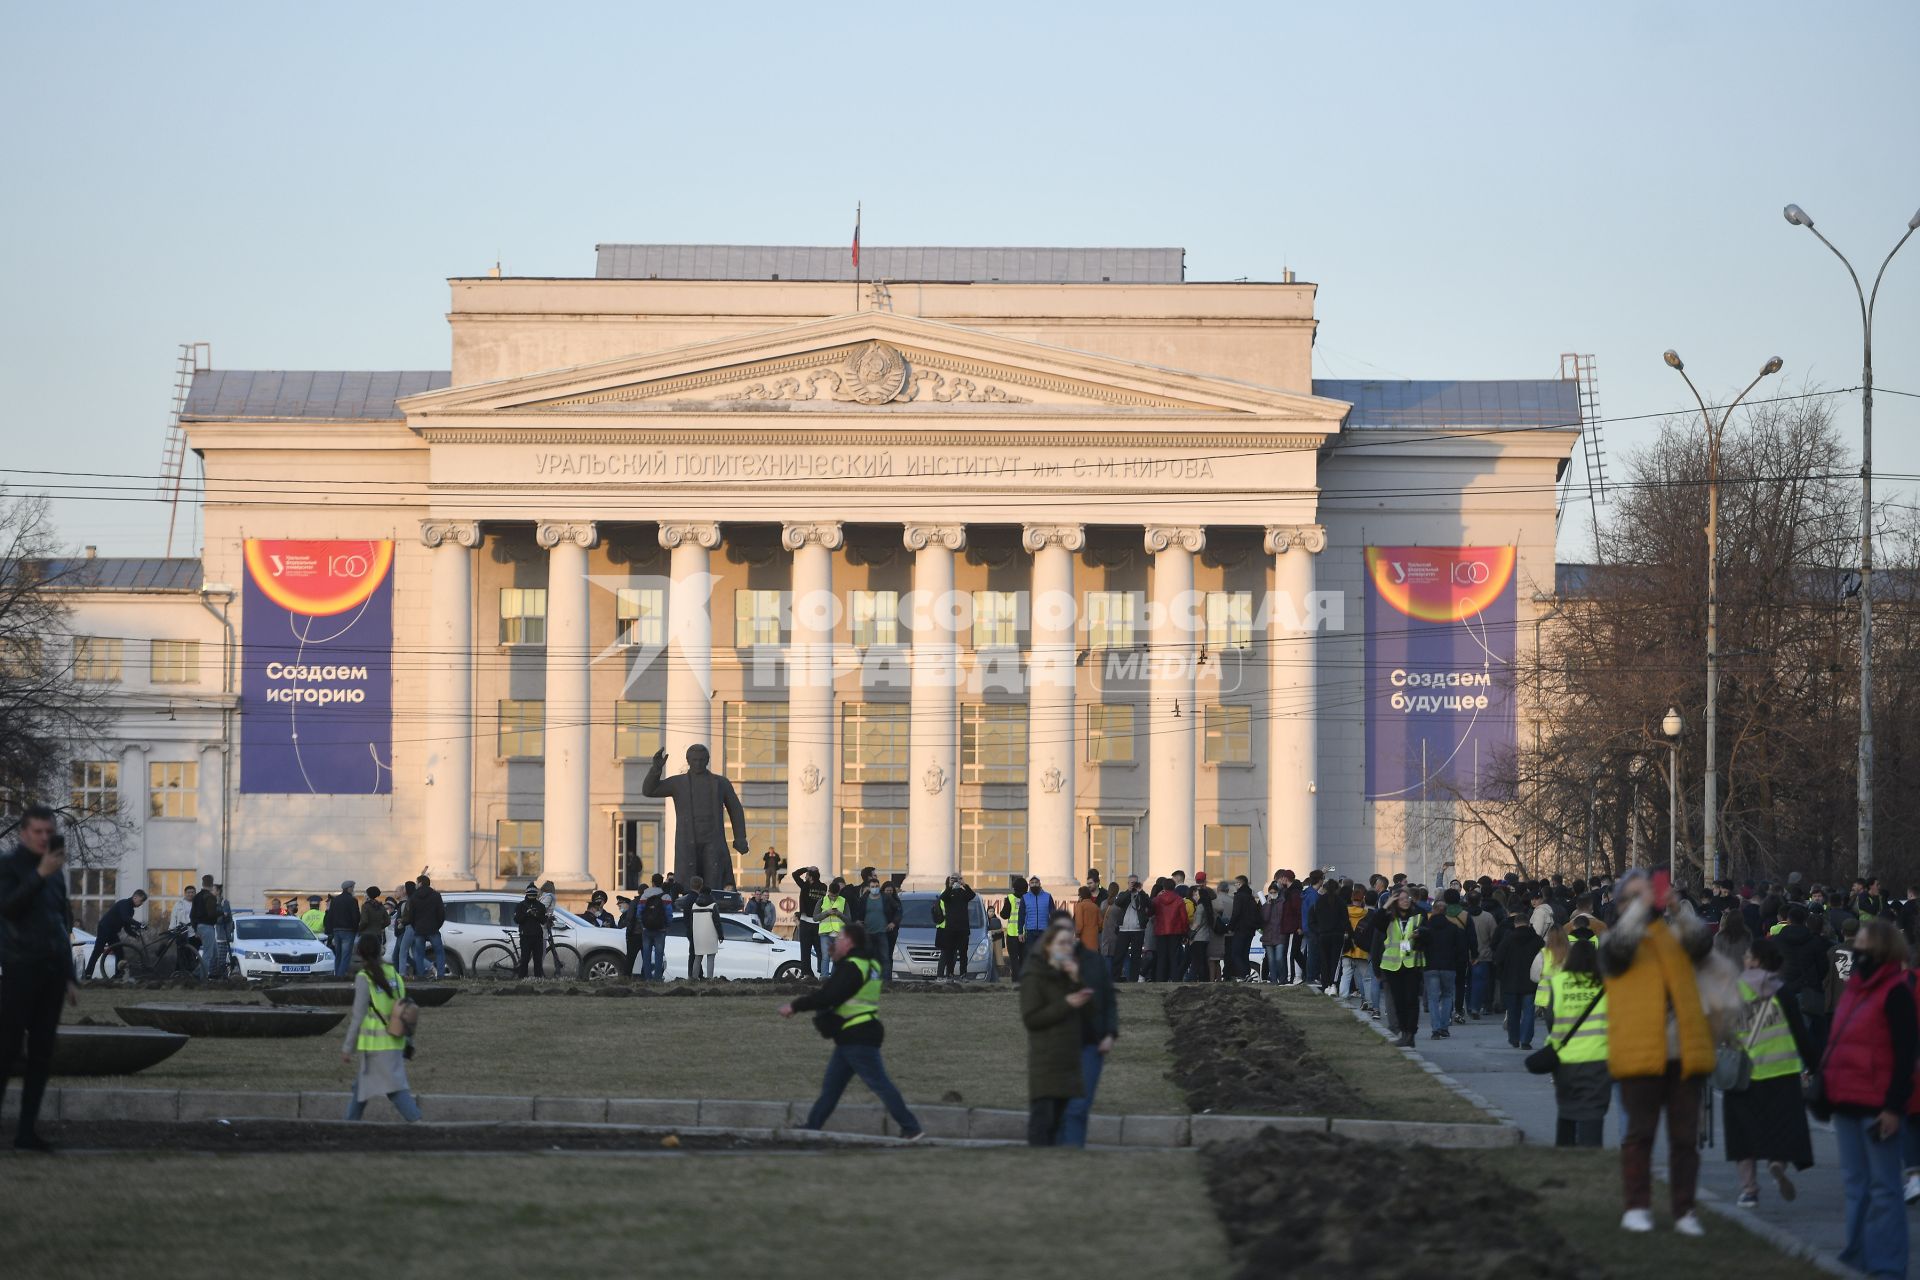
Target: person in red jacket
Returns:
[[1867, 1077], [1169, 931]]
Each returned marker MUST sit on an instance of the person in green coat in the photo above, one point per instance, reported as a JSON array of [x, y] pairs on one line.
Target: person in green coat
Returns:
[[1051, 997]]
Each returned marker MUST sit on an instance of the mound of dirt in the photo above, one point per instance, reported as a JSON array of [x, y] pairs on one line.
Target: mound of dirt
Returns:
[[1312, 1203], [1233, 1050]]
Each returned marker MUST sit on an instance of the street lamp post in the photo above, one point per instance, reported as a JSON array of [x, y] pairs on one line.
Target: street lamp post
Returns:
[[1672, 725], [1710, 812], [1798, 217]]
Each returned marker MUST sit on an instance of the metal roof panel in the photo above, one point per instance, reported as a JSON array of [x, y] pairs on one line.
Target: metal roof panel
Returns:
[[1015, 264]]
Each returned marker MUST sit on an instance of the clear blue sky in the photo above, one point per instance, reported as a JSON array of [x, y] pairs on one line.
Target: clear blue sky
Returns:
[[1476, 188]]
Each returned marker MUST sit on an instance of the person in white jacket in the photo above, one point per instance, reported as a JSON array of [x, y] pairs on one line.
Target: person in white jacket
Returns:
[[1542, 917]]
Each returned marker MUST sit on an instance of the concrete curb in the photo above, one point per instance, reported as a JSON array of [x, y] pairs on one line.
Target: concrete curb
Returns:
[[857, 1123], [1477, 1099]]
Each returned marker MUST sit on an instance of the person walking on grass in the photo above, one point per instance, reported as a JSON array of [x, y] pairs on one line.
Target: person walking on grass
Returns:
[[846, 1009], [377, 1054], [36, 964], [1052, 995]]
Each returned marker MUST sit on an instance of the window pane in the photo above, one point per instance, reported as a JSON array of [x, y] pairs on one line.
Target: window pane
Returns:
[[95, 786], [640, 615], [637, 730], [873, 742], [173, 789], [522, 729], [1110, 851], [523, 615], [874, 618], [1110, 619], [1226, 852], [96, 658], [766, 829], [756, 618], [1229, 734], [993, 743], [993, 846], [1229, 619], [1110, 733], [995, 619], [518, 845], [874, 838], [174, 661], [756, 741]]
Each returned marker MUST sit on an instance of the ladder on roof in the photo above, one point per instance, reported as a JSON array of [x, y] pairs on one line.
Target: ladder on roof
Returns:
[[195, 357], [1579, 369]]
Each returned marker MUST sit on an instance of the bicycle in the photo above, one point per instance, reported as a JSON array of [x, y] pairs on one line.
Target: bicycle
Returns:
[[501, 957]]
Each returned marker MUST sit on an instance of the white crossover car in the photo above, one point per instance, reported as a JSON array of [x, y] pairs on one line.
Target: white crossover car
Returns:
[[481, 939], [275, 947]]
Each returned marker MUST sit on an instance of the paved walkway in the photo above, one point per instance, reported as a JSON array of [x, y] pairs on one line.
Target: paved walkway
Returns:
[[1477, 1055]]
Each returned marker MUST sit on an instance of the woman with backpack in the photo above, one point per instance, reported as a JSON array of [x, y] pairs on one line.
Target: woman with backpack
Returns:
[[1767, 1120], [378, 1033]]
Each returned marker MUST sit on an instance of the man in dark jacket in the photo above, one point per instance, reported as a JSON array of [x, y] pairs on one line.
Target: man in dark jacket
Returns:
[[429, 915], [953, 927], [342, 924], [1328, 928], [1241, 926], [1513, 961], [1445, 943], [205, 916], [1099, 1028], [113, 922], [806, 929], [36, 963], [1805, 966], [848, 1005], [530, 917]]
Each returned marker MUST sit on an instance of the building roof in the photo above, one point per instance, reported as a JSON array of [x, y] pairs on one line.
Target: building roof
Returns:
[[250, 395], [1543, 402], [930, 263], [121, 573]]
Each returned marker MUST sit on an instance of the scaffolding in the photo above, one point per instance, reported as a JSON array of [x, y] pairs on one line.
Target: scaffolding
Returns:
[[195, 357]]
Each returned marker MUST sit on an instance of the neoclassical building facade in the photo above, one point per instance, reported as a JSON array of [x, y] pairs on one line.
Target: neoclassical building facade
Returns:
[[1046, 560]]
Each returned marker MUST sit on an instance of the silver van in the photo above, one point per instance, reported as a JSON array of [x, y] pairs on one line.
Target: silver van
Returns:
[[914, 952]]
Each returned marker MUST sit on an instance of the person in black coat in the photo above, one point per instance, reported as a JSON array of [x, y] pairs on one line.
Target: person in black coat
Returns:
[[530, 917], [953, 927], [1513, 961], [1328, 927], [806, 928], [114, 922], [1444, 942], [1099, 1028], [36, 963]]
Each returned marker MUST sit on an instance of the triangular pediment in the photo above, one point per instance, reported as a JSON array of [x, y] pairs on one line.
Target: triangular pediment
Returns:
[[872, 363]]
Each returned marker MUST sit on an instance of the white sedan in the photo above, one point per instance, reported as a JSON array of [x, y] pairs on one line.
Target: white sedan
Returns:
[[82, 948], [746, 951], [276, 946]]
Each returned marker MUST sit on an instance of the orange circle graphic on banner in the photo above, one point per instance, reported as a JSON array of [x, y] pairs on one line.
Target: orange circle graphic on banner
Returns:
[[318, 579], [1440, 584]]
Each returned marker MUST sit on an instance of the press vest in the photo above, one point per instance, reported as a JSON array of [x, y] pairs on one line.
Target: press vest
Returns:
[[1392, 958], [865, 1004], [1570, 993], [373, 1027], [1771, 1049], [833, 914]]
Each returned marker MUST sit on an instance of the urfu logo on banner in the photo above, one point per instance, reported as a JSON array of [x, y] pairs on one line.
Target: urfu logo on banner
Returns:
[[1440, 643], [316, 690]]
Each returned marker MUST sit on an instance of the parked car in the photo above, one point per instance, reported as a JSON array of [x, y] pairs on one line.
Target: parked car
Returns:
[[481, 938], [746, 950], [914, 952], [275, 946], [82, 948]]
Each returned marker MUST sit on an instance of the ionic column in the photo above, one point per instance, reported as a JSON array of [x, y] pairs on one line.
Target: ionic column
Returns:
[[1293, 743], [1051, 746], [689, 710], [933, 769], [569, 701], [1171, 756], [810, 759], [450, 722]]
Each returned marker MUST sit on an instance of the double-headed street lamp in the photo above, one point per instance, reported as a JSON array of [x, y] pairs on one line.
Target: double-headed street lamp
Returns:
[[1798, 217], [1710, 811]]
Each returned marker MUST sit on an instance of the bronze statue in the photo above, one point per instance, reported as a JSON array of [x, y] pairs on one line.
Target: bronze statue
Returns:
[[699, 799]]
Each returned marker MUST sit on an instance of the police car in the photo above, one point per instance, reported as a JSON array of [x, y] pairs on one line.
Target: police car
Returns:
[[276, 946]]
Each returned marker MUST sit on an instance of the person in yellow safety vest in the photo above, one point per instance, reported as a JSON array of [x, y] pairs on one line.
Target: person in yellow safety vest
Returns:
[[1011, 934], [1576, 1011], [833, 918], [313, 917], [1401, 964], [847, 1011], [1767, 1120], [1553, 955], [378, 990]]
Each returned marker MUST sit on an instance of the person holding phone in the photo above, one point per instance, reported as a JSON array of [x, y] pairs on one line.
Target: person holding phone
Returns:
[[1052, 994], [1867, 1079], [36, 963]]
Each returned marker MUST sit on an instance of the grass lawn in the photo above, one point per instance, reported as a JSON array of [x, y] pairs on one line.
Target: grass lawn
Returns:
[[674, 1047], [1395, 1088], [946, 1213]]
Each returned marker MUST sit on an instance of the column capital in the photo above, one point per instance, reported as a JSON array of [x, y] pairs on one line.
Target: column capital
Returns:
[[1281, 538], [581, 533], [828, 533], [1035, 537], [1189, 538], [464, 533], [919, 537], [701, 533]]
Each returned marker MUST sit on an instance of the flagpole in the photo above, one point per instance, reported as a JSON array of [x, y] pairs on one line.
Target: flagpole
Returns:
[[856, 255]]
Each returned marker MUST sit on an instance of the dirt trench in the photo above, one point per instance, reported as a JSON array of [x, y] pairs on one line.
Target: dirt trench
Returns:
[[1234, 1050]]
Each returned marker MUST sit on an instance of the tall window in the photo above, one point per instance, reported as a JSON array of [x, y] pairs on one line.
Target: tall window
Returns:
[[96, 658], [766, 829], [1113, 618], [523, 615], [993, 742], [756, 618], [636, 848], [173, 789], [174, 662], [1110, 850], [523, 725], [1229, 620], [874, 618], [518, 843], [91, 890], [756, 739], [873, 742], [1110, 733], [993, 845], [640, 617], [1226, 852], [96, 786], [874, 838], [996, 619], [1229, 734], [638, 730]]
